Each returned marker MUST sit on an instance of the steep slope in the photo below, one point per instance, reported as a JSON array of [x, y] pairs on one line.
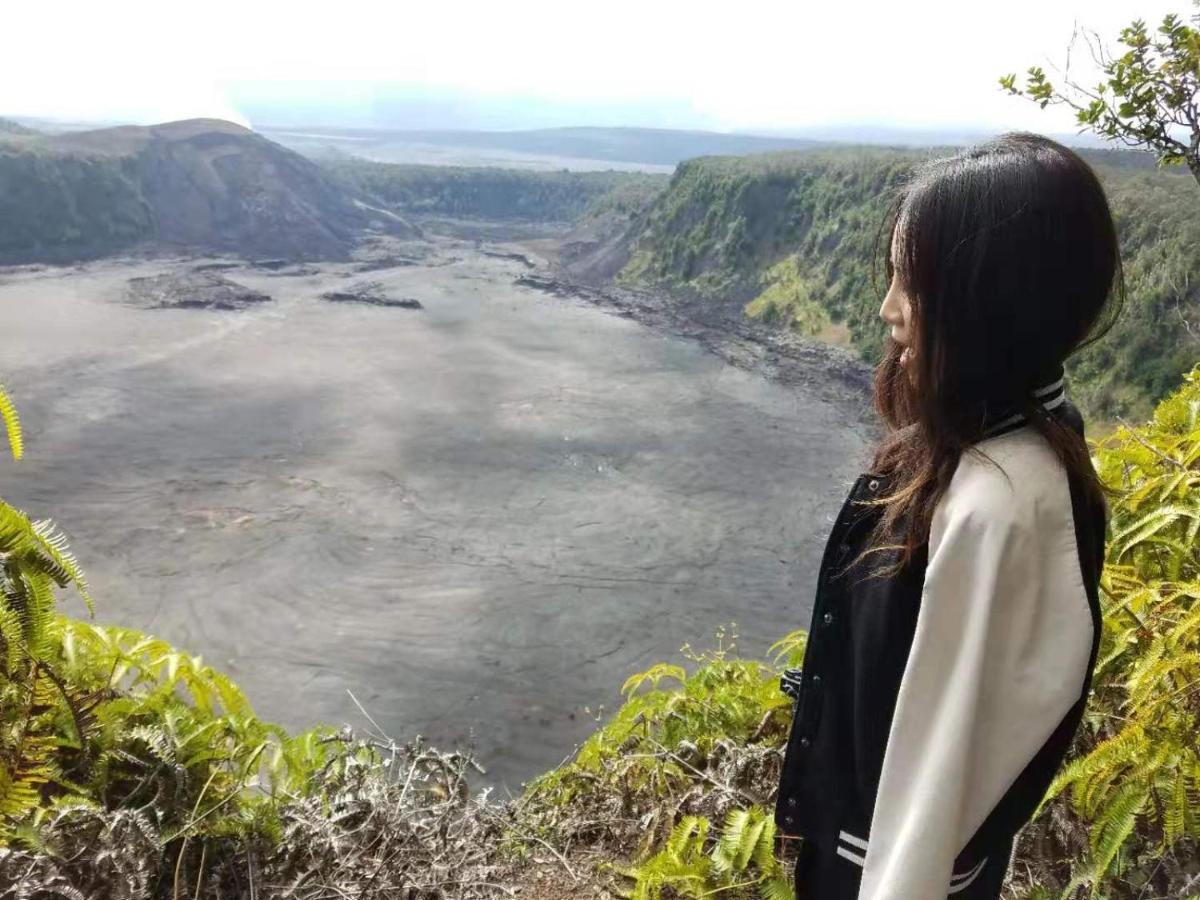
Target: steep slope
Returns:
[[788, 238], [197, 184], [492, 194], [731, 229]]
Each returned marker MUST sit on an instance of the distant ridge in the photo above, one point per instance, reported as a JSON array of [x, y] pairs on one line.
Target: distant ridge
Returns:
[[196, 184], [8, 126], [655, 147], [652, 149]]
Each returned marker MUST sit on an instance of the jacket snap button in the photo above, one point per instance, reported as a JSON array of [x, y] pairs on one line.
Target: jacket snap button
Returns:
[[804, 742], [828, 618], [816, 679], [788, 819], [873, 483], [791, 801]]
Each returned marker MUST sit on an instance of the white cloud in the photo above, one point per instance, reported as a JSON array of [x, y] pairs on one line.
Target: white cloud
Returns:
[[740, 63]]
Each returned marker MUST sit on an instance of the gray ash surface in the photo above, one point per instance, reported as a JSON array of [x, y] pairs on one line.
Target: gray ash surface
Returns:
[[480, 519]]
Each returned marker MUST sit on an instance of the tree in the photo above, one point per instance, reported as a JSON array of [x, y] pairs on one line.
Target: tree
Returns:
[[1149, 98]]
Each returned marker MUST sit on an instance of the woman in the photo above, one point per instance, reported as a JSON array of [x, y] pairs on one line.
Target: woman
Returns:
[[956, 618]]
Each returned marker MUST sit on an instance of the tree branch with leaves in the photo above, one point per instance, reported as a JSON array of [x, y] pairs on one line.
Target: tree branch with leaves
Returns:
[[1150, 96]]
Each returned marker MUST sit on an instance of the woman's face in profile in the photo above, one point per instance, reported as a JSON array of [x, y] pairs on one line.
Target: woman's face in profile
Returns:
[[896, 310]]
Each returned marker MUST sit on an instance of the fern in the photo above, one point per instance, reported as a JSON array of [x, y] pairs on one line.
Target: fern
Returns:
[[112, 717], [39, 547], [1113, 827], [1133, 778], [12, 424], [741, 858]]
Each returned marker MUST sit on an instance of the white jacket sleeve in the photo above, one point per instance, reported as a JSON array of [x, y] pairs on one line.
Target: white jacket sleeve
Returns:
[[999, 656]]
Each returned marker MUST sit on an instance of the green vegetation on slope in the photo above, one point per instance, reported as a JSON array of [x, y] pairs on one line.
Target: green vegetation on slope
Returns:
[[784, 234], [130, 770], [197, 184], [726, 221], [1158, 334], [787, 300], [63, 204], [498, 195]]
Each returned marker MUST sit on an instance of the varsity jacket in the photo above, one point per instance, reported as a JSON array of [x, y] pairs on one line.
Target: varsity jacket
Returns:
[[934, 707]]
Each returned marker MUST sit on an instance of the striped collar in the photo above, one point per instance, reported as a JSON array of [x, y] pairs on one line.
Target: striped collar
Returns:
[[1051, 395]]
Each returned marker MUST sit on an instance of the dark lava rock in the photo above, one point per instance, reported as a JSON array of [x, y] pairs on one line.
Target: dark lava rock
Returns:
[[386, 262], [216, 267], [514, 257], [192, 290], [372, 294], [555, 286], [283, 267]]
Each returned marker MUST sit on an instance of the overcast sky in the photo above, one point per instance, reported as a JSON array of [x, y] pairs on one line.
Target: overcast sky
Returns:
[[743, 64]]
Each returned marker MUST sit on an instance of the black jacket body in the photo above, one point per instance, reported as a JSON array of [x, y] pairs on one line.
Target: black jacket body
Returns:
[[859, 645]]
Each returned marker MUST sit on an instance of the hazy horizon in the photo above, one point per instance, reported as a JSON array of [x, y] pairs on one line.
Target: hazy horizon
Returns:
[[530, 65]]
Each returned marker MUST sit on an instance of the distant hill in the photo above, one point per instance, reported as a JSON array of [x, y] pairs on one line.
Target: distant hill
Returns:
[[652, 149], [494, 194], [8, 126], [597, 149], [199, 184]]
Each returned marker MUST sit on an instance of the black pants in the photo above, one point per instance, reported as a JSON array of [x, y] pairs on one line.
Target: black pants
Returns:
[[821, 874]]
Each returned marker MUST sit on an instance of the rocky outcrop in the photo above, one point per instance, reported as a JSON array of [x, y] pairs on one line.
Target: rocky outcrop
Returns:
[[192, 290], [371, 293]]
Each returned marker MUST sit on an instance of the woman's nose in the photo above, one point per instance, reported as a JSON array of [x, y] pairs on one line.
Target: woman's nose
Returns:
[[887, 310]]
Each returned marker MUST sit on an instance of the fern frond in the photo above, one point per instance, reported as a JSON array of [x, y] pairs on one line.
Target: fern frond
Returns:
[[733, 834], [1114, 825], [689, 829], [764, 851], [654, 675], [778, 888], [38, 546], [749, 843], [12, 424]]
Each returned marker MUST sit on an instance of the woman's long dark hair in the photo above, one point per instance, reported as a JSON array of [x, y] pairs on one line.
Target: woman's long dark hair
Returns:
[[1009, 256]]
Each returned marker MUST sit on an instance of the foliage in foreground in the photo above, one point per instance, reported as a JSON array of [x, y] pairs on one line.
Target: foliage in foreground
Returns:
[[131, 770], [108, 717], [690, 750], [1122, 820]]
